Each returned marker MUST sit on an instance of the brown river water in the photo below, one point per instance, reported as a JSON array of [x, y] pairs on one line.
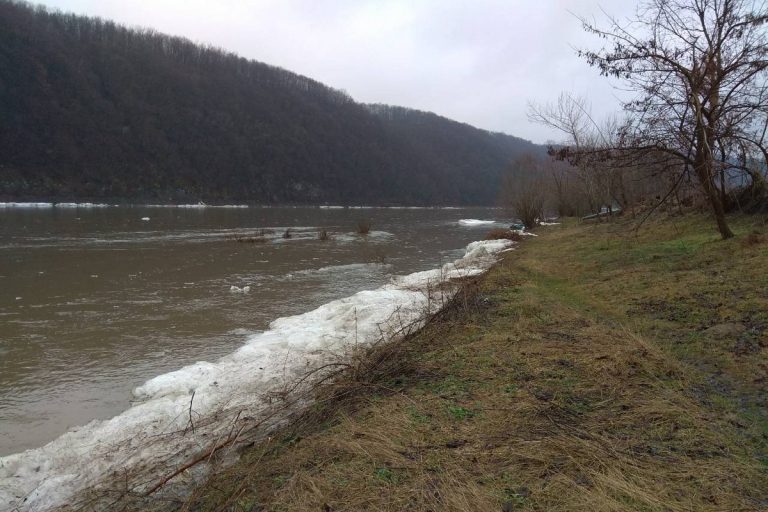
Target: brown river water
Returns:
[[95, 301]]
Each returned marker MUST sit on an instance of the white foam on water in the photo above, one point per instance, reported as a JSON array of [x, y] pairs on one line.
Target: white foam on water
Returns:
[[475, 222], [341, 269], [154, 434], [348, 267]]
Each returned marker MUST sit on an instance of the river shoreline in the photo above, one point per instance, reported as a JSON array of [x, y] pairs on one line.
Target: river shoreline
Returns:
[[583, 372], [181, 412]]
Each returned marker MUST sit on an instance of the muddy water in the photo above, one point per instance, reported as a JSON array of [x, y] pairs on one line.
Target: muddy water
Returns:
[[95, 301]]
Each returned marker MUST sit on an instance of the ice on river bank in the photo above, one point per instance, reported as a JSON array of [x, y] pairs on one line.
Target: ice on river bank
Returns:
[[183, 412]]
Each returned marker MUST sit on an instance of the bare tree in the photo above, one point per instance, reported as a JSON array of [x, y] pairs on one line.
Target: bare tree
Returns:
[[587, 149], [567, 194], [569, 114], [699, 68]]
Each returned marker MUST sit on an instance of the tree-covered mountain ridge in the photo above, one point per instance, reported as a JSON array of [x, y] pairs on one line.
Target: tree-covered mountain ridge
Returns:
[[92, 109]]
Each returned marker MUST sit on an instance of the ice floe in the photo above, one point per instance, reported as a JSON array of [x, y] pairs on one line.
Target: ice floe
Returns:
[[193, 205], [371, 236], [26, 205], [81, 205], [52, 205], [475, 222]]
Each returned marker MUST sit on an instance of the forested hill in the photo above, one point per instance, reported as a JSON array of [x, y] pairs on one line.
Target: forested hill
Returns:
[[91, 109]]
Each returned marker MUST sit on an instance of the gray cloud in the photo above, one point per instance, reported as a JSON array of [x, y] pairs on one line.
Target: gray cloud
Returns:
[[476, 61]]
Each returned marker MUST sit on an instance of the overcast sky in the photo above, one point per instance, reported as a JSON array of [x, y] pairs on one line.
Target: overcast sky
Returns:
[[476, 61]]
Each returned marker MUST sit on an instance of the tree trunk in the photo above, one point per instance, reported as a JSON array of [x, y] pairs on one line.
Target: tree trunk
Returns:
[[705, 145], [723, 195], [703, 170], [705, 156]]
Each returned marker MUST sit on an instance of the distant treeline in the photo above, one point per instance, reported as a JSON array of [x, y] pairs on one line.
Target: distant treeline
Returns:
[[92, 109]]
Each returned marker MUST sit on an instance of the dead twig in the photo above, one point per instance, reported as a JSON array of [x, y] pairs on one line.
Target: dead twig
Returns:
[[191, 422]]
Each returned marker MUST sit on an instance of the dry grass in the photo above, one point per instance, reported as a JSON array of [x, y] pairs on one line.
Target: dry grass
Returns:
[[754, 238], [564, 380]]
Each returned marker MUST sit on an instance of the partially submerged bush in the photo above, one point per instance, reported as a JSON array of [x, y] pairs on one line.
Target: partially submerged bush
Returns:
[[376, 255], [364, 227], [503, 234], [524, 190], [243, 239], [253, 240]]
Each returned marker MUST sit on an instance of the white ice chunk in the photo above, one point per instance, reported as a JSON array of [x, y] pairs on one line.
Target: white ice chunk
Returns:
[[475, 222]]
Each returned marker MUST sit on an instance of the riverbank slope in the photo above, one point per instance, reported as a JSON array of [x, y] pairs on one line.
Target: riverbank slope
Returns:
[[594, 368]]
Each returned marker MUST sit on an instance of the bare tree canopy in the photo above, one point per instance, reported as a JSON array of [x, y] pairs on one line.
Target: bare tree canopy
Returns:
[[699, 68]]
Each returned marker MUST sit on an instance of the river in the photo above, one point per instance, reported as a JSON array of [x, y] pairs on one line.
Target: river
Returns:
[[94, 301]]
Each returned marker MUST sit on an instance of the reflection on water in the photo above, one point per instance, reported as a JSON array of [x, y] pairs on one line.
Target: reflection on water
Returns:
[[93, 302]]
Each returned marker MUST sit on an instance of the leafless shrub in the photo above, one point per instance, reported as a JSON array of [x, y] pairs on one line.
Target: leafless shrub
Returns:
[[754, 238], [244, 239], [363, 227], [524, 190], [376, 255]]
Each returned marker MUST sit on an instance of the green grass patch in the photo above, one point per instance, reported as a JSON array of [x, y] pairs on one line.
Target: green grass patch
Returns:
[[460, 413]]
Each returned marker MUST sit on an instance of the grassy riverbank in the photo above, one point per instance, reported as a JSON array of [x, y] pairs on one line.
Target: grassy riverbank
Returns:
[[593, 369]]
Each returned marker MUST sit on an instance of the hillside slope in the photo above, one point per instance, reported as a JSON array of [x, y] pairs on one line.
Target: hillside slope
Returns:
[[91, 109]]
